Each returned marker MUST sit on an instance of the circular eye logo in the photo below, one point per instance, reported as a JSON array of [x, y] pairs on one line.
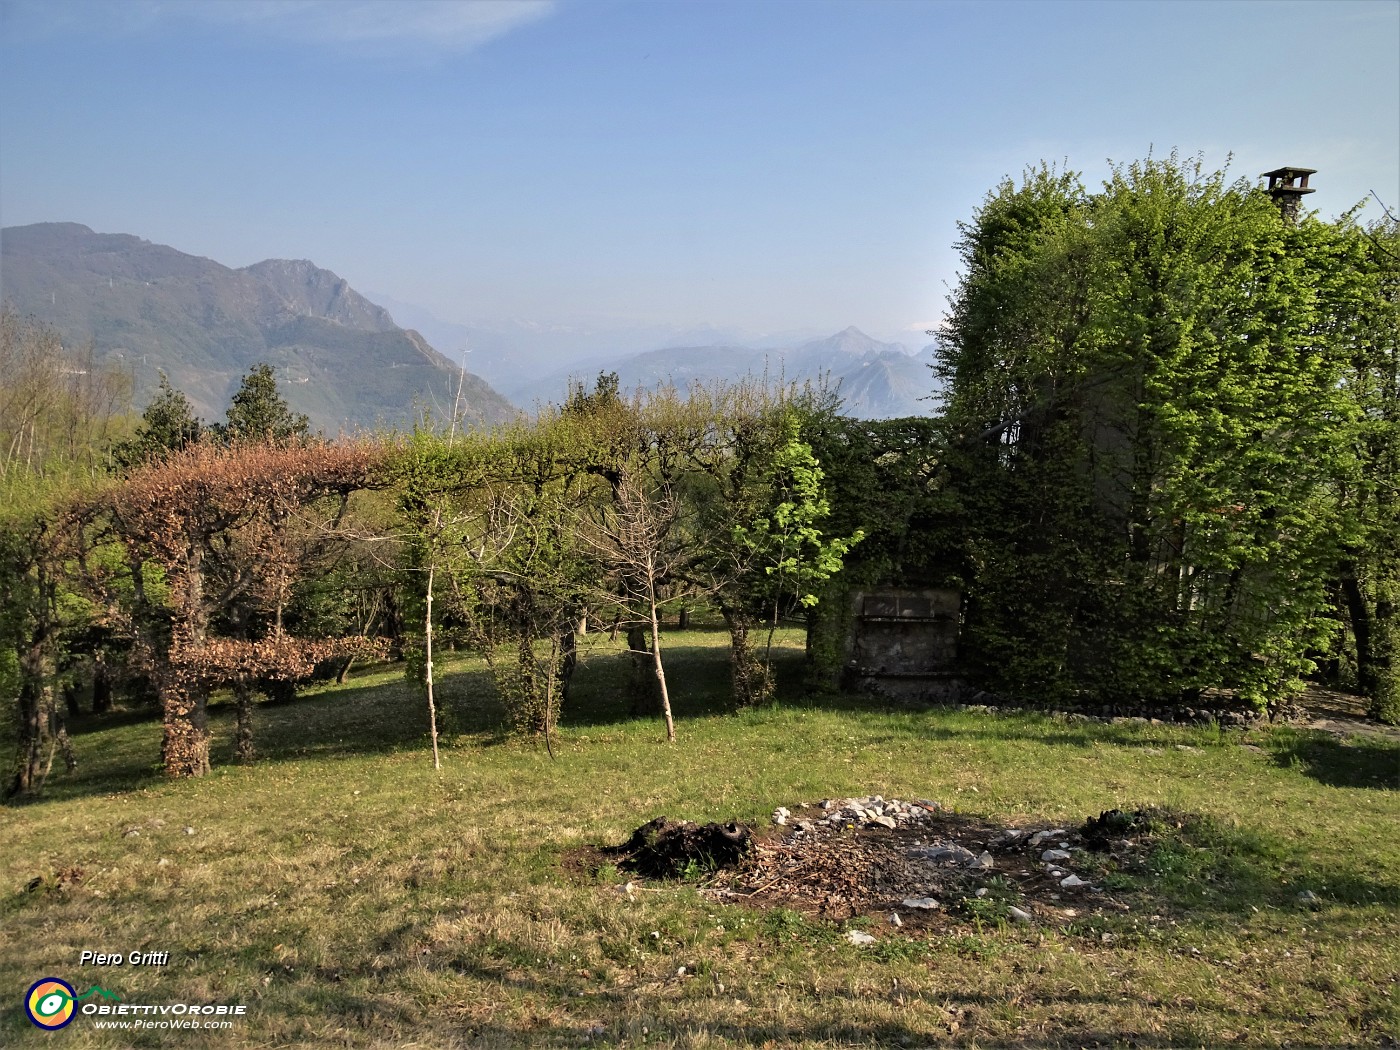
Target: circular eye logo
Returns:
[[50, 1003]]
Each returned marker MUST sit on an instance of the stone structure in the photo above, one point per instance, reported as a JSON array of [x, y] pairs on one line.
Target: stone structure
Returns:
[[1286, 187], [903, 642]]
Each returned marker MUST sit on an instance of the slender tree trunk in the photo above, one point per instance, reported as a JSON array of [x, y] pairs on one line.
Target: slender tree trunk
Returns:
[[101, 684], [1373, 630], [71, 700], [660, 670], [752, 681], [568, 663], [428, 667], [549, 695], [32, 723], [243, 733], [185, 740], [65, 747]]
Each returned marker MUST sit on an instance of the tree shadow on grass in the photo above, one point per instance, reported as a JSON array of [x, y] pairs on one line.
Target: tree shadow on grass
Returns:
[[1357, 761], [568, 1006], [1207, 866], [362, 720]]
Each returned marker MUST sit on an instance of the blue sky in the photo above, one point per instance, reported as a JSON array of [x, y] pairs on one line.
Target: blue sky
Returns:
[[772, 166]]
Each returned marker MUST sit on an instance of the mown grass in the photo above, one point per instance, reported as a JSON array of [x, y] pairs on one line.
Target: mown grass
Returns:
[[351, 896]]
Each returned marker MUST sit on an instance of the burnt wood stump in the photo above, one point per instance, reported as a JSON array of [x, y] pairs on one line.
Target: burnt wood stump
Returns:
[[667, 849]]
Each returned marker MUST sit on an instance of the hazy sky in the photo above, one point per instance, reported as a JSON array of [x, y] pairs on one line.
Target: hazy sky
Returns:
[[769, 165]]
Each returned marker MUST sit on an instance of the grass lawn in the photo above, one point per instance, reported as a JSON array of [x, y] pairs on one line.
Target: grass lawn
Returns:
[[349, 895]]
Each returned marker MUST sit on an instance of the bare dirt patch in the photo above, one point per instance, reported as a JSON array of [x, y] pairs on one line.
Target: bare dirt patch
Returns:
[[915, 867], [1338, 713]]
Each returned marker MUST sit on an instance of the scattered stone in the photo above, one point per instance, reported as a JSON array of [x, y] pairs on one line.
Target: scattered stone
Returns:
[[131, 833], [189, 830], [895, 920], [983, 863], [888, 822], [1018, 915], [921, 903], [1055, 854], [1071, 882], [780, 815], [947, 853], [859, 938], [1045, 836], [1311, 899]]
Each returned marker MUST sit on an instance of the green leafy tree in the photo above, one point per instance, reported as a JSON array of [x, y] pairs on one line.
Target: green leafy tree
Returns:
[[1369, 571], [761, 504], [167, 425], [258, 412], [1143, 388]]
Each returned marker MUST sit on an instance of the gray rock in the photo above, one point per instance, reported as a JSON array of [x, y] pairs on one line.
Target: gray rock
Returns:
[[945, 854], [921, 903], [982, 863], [857, 937], [1017, 915], [1055, 854], [1071, 882]]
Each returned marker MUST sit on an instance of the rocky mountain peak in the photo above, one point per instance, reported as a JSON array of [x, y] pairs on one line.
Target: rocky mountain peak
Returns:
[[309, 289]]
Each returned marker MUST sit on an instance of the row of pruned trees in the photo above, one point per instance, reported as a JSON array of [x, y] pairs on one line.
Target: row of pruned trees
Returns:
[[243, 557], [610, 509]]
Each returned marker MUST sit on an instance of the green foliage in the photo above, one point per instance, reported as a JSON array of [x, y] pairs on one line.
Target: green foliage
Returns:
[[258, 412], [1145, 398], [1369, 490], [783, 538], [168, 425]]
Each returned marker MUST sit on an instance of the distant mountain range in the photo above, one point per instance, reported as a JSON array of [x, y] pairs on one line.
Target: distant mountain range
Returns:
[[338, 357], [874, 380], [343, 360]]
